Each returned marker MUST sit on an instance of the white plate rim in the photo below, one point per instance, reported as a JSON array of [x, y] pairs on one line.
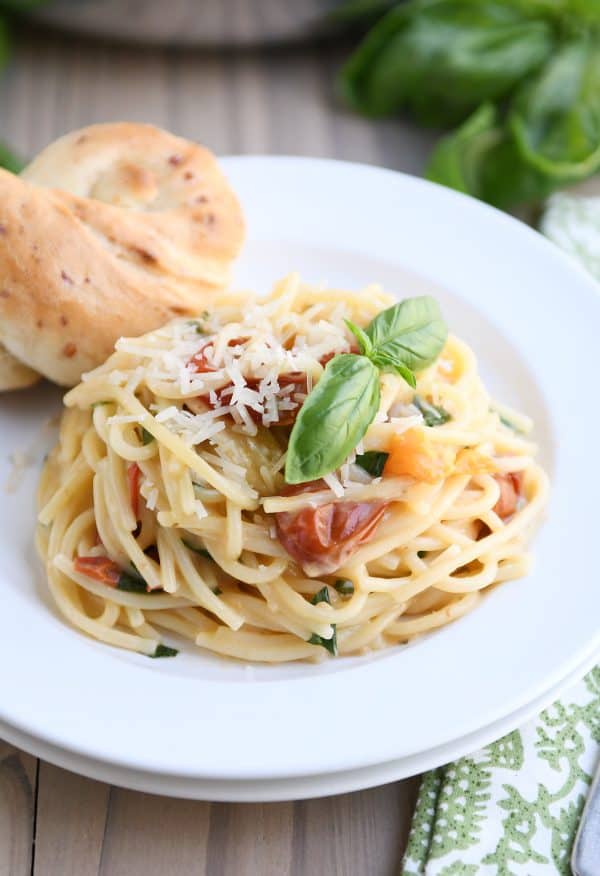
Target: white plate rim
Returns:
[[289, 746], [298, 787]]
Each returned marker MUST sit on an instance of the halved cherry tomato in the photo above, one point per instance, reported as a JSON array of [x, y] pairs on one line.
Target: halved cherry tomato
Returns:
[[511, 490], [322, 539], [133, 478], [99, 569]]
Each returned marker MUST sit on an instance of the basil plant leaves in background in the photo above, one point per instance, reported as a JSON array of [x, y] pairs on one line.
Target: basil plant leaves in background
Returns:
[[520, 78]]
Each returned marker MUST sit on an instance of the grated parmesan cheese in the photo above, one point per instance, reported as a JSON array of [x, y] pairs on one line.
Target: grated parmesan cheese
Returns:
[[334, 485]]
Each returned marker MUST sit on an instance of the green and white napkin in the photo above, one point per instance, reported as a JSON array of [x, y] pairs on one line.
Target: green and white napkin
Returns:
[[514, 806], [512, 809]]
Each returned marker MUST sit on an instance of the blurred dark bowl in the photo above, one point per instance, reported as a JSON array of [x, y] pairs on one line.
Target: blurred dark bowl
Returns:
[[190, 22]]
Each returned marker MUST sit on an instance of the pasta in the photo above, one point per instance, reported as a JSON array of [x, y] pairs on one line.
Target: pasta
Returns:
[[165, 509]]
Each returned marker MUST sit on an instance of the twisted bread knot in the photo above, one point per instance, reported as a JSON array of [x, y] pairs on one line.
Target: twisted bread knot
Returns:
[[112, 230]]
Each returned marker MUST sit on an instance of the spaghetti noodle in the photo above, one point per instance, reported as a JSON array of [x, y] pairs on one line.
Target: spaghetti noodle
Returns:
[[164, 506]]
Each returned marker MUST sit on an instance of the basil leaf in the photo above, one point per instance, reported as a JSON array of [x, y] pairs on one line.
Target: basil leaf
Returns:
[[410, 334], [481, 159], [373, 462], [344, 586], [421, 554], [433, 415], [442, 58], [147, 437], [329, 644], [333, 419], [555, 118], [164, 651], [364, 341], [132, 582], [387, 362]]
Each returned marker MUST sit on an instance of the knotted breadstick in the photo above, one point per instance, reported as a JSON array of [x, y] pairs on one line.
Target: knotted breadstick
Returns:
[[141, 227]]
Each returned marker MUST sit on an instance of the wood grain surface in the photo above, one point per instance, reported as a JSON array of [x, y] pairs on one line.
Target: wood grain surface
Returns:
[[52, 822]]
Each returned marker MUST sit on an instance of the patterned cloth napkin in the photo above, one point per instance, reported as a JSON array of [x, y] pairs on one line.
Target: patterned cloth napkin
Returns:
[[512, 809]]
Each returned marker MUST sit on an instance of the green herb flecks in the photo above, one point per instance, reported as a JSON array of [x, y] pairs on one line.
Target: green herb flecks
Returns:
[[421, 554], [506, 421], [433, 415], [132, 582], [373, 462], [201, 551], [164, 651], [334, 418], [329, 644], [147, 437], [344, 586]]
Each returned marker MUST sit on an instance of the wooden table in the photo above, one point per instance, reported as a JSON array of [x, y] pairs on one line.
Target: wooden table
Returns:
[[55, 823]]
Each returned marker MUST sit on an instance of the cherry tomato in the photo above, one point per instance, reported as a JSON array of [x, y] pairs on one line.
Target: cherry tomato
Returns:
[[99, 569], [322, 539], [511, 488]]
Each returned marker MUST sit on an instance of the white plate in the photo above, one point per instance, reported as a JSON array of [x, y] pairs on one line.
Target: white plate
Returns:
[[299, 787], [532, 316]]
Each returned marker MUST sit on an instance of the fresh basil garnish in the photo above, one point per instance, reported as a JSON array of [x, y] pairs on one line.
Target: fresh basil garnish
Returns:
[[344, 586], [339, 410], [433, 415], [333, 419], [411, 333], [329, 644], [147, 437], [373, 462], [421, 554], [164, 651]]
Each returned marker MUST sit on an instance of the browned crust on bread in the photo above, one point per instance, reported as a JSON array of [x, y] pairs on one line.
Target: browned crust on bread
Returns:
[[78, 273]]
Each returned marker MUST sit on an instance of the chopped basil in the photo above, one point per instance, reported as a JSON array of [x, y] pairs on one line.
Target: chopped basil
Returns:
[[147, 437], [329, 644], [217, 591], [132, 582], [197, 550], [434, 415], [373, 462], [508, 423], [200, 329], [344, 586], [421, 554], [164, 651], [321, 596]]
